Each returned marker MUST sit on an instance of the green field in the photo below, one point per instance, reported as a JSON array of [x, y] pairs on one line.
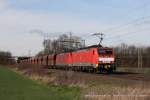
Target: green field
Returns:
[[17, 87]]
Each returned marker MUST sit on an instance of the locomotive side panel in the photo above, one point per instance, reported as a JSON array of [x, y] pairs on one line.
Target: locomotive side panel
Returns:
[[84, 58], [64, 60]]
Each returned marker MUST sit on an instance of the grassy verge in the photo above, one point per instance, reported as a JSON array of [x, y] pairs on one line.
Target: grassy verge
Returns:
[[16, 87]]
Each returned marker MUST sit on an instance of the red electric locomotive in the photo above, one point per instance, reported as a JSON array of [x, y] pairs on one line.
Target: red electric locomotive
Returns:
[[93, 58]]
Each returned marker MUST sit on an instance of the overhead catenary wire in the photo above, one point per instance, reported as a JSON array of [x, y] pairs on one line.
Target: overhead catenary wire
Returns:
[[122, 26], [129, 33], [134, 25], [130, 22], [128, 25], [120, 39]]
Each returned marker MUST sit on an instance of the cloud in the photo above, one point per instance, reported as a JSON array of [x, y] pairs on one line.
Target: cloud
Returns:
[[15, 27], [16, 24], [14, 21], [3, 5]]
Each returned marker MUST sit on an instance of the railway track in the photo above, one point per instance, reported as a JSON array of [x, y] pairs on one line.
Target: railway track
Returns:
[[131, 76], [122, 75]]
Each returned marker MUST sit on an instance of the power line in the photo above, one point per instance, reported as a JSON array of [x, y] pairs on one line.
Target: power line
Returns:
[[146, 17], [129, 23], [122, 25], [132, 27], [116, 37], [116, 27], [129, 33], [120, 40]]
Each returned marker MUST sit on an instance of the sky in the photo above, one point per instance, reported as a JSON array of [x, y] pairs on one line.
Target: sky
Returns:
[[125, 21]]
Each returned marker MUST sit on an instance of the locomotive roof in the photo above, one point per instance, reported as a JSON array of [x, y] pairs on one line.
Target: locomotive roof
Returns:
[[92, 46], [88, 47]]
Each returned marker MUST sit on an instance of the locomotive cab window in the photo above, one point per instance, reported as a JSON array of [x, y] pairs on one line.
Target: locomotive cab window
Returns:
[[109, 52]]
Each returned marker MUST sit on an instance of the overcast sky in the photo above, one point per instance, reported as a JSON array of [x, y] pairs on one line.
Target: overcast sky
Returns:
[[120, 20]]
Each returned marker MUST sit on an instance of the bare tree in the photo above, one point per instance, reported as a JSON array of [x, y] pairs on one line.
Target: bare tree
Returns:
[[64, 43]]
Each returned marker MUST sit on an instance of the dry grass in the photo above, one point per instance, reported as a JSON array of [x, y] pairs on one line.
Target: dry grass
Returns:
[[52, 77], [94, 87], [70, 78], [138, 91], [117, 97], [118, 93]]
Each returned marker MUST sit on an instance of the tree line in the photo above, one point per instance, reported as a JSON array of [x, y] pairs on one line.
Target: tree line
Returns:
[[6, 57], [132, 56], [63, 43]]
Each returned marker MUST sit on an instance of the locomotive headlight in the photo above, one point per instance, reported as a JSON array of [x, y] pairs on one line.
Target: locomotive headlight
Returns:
[[106, 60]]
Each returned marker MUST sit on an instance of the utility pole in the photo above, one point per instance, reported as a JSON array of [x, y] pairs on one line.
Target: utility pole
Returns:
[[70, 40], [139, 58], [83, 41]]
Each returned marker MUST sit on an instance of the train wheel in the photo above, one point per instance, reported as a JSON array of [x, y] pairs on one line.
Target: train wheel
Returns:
[[101, 70], [97, 70], [94, 69]]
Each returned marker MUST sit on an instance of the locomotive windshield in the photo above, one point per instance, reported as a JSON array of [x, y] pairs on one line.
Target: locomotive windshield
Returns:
[[106, 52]]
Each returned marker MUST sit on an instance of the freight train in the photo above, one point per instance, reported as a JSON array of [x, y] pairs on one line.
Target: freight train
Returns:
[[92, 59]]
